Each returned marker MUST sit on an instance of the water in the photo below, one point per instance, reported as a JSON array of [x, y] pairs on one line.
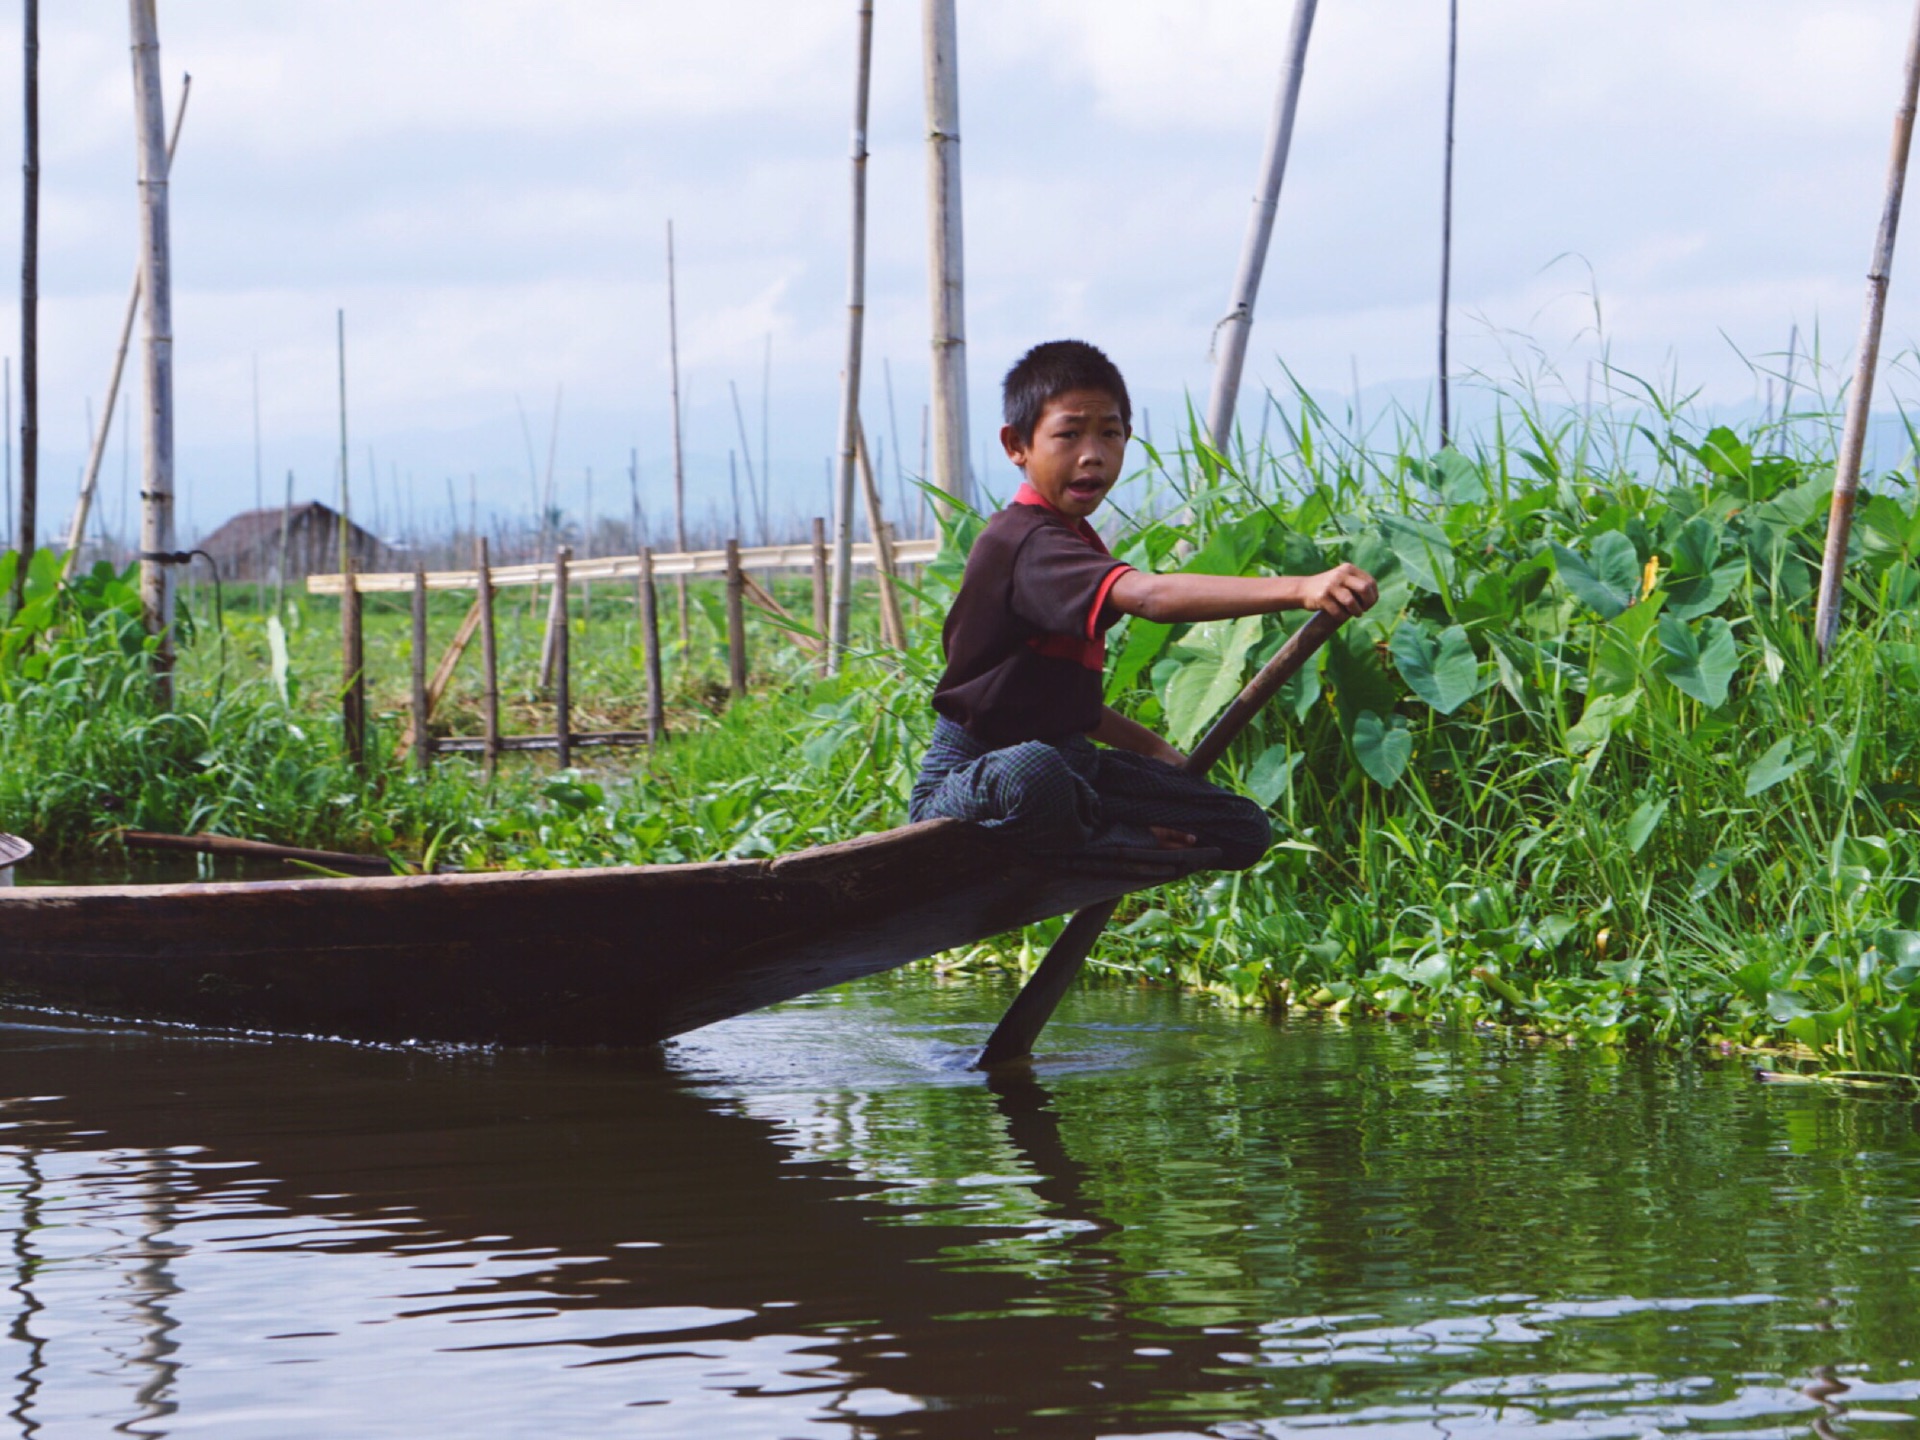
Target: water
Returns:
[[817, 1222]]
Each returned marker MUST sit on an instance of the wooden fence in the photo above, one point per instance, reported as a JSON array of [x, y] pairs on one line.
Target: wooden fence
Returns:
[[561, 573]]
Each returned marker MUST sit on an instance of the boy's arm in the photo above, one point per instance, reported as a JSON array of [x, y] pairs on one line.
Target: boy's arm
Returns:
[[1343, 592], [1118, 731]]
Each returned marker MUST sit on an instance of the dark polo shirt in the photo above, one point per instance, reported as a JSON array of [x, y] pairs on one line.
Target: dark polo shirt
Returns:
[[1026, 639]]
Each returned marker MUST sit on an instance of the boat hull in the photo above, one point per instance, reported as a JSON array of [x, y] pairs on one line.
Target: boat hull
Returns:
[[613, 956]]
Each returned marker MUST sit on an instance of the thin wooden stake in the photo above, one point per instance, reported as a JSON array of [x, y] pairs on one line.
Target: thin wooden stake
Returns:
[[340, 350], [820, 591], [679, 470], [156, 287], [30, 299], [563, 665], [893, 630], [842, 611], [489, 659], [1446, 220], [946, 265], [443, 672], [353, 665], [1230, 336], [97, 452], [650, 631], [736, 624], [1846, 477], [286, 537], [549, 643], [422, 741]]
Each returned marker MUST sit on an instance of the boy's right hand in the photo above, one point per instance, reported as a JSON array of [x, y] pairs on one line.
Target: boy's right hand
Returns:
[[1342, 592]]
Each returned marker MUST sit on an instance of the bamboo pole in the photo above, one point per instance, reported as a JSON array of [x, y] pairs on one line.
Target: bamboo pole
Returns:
[[549, 643], [1230, 336], [893, 630], [489, 659], [746, 454], [1446, 221], [563, 661], [820, 589], [353, 667], [736, 624], [650, 630], [679, 467], [156, 286], [96, 453], [422, 741], [340, 349], [443, 673], [946, 268], [842, 609], [1846, 478], [29, 305], [286, 538]]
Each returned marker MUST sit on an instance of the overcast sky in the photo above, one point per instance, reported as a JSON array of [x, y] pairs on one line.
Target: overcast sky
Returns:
[[484, 187]]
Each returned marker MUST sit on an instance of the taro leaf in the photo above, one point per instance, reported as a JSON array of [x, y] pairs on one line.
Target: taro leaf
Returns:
[[1423, 550], [1460, 481], [277, 655], [1212, 657], [1605, 585], [1614, 667], [1700, 665], [1643, 822], [1382, 747], [1489, 600], [1696, 547], [1359, 681], [1725, 453], [1603, 712], [1793, 508], [1445, 675], [1145, 640], [1302, 690], [1696, 595], [1784, 759], [1230, 547], [1712, 871], [1272, 773]]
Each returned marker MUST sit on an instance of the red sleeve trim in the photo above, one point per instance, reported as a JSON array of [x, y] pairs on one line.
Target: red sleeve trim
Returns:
[[1100, 599]]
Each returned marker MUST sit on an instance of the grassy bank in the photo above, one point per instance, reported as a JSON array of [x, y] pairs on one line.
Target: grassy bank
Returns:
[[1579, 770]]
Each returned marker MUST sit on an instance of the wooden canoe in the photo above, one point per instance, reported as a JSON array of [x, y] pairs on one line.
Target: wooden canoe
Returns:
[[615, 956]]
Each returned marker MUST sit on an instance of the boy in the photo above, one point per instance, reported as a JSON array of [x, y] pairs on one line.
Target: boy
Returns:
[[1021, 702]]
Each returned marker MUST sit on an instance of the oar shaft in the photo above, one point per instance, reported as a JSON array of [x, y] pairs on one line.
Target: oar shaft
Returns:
[[1013, 1037]]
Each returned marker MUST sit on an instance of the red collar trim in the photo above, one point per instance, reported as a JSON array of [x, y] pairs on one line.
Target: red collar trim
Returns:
[[1027, 495]]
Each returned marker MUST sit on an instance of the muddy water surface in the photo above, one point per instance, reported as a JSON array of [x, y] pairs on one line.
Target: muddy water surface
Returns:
[[818, 1222]]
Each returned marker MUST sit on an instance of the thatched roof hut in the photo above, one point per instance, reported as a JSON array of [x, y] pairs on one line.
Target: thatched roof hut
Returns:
[[247, 547]]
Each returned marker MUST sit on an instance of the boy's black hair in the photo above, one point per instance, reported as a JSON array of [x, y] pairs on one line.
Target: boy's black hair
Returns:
[[1053, 369]]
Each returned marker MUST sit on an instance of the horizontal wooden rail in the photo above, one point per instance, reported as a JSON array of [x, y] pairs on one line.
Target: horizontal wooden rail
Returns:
[[616, 567], [477, 744]]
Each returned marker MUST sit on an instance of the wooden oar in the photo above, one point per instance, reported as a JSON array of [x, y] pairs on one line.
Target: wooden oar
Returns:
[[257, 850], [1013, 1038]]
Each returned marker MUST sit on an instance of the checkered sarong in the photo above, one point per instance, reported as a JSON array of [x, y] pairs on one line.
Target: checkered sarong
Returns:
[[1067, 794]]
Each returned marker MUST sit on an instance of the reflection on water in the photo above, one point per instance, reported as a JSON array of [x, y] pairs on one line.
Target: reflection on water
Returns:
[[818, 1222]]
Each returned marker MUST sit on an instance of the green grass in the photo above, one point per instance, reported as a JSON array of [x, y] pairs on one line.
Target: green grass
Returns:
[[1579, 771]]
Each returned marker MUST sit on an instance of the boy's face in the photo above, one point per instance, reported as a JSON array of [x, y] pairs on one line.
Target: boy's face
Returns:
[[1074, 456]]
